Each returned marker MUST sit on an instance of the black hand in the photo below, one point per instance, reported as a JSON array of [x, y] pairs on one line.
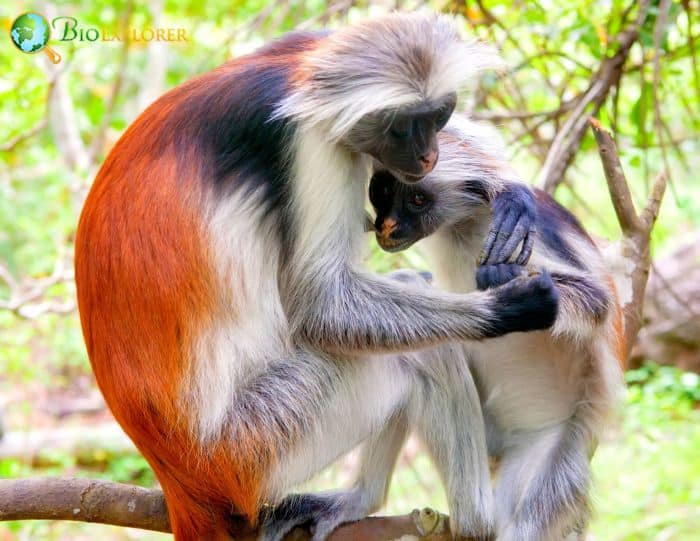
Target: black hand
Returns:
[[488, 276], [526, 304], [513, 222]]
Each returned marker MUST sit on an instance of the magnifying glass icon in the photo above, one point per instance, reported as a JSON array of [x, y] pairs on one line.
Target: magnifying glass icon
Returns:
[[30, 33]]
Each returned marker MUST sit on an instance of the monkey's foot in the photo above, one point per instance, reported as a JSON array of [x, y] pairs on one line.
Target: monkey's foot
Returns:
[[322, 512]]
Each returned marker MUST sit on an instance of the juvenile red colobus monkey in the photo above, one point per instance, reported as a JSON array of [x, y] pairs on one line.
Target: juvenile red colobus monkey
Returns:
[[544, 395], [225, 312]]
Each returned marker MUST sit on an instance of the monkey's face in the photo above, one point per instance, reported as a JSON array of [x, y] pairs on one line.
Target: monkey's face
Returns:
[[404, 141], [405, 213]]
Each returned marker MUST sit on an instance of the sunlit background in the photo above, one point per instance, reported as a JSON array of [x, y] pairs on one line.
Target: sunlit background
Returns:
[[57, 122]]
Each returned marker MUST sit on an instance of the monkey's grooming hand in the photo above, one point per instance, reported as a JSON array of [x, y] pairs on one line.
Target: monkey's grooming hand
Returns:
[[526, 303], [488, 276], [421, 279], [513, 222]]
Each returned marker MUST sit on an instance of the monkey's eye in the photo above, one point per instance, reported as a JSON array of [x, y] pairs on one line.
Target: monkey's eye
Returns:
[[418, 202], [400, 129], [441, 119]]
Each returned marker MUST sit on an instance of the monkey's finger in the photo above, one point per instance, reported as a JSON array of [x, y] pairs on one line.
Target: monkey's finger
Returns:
[[508, 227], [486, 276], [528, 243], [498, 221], [508, 248]]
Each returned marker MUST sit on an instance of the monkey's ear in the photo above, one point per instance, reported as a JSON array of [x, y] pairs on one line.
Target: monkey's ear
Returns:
[[369, 223]]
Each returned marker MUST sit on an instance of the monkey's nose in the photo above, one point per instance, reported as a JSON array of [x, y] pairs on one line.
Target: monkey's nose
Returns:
[[428, 161], [388, 227]]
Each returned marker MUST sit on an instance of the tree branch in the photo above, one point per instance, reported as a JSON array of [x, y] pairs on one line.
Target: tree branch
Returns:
[[617, 183], [29, 299], [634, 260], [568, 139], [105, 502], [500, 116], [83, 500], [20, 138]]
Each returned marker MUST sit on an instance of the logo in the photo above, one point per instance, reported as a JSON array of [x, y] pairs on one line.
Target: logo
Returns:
[[69, 29], [30, 33]]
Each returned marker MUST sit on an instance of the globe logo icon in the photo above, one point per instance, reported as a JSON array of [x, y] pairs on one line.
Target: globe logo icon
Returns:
[[30, 33]]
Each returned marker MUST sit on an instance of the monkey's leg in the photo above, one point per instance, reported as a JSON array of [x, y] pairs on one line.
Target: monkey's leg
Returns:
[[543, 483], [378, 459], [365, 401], [450, 421], [329, 510], [584, 301]]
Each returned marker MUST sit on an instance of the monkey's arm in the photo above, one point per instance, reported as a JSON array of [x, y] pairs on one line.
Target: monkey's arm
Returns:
[[514, 214], [359, 312], [584, 302]]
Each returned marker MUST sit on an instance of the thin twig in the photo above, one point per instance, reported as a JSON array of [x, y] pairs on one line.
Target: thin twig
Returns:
[[501, 116], [21, 137]]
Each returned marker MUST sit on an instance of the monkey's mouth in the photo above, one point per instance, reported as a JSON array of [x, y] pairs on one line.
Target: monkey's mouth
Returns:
[[408, 178], [391, 245]]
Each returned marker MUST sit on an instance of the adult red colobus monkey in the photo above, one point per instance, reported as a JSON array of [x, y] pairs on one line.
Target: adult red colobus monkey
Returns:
[[544, 395], [225, 314]]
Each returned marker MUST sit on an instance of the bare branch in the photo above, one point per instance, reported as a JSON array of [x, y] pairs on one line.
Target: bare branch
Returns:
[[7, 277], [83, 500], [617, 183], [20, 138], [61, 121], [495, 116], [38, 127], [105, 502], [567, 140], [633, 260], [651, 209], [27, 298]]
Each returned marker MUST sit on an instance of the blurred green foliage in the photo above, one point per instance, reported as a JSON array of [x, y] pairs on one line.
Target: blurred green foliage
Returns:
[[646, 474]]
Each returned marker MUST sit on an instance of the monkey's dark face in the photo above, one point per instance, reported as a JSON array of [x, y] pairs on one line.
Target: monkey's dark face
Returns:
[[405, 213], [404, 141]]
